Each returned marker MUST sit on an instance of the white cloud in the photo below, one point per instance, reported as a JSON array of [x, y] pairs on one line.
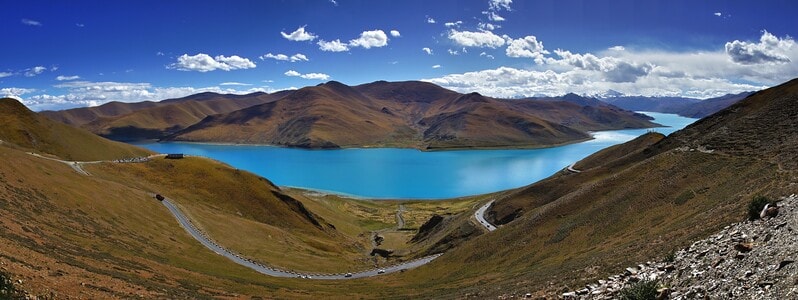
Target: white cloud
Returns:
[[159, 53], [453, 24], [479, 39], [453, 52], [14, 92], [335, 3], [770, 49], [314, 76], [299, 35], [427, 50], [282, 57], [65, 78], [499, 5], [431, 20], [81, 25], [617, 48], [528, 47], [486, 55], [202, 62], [317, 76], [487, 26], [369, 39], [34, 71], [6, 74], [436, 66], [493, 16], [333, 46], [235, 83], [718, 14], [395, 33], [30, 22]]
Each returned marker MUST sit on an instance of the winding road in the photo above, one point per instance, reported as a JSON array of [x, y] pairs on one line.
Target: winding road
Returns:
[[571, 168], [480, 215], [261, 268], [205, 241]]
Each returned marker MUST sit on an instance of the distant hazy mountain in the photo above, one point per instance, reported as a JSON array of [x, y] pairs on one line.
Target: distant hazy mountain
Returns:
[[154, 120], [407, 114], [688, 107]]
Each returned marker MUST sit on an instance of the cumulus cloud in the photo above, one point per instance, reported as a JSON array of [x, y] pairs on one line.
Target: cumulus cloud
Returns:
[[66, 78], [498, 5], [202, 62], [30, 22], [395, 33], [493, 16], [718, 14], [6, 74], [770, 49], [34, 71], [233, 83], [427, 50], [481, 39], [430, 20], [487, 26], [14, 92], [369, 39], [453, 24], [333, 46], [617, 48], [282, 57], [528, 47], [507, 82], [313, 76], [299, 35], [436, 66]]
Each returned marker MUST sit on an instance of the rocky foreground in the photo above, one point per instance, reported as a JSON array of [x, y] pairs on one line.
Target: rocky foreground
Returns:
[[746, 260]]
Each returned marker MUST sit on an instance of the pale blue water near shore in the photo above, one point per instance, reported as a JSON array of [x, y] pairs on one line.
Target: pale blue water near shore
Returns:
[[409, 173]]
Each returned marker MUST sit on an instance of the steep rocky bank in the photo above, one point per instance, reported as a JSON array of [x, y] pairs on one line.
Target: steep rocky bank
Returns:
[[746, 260]]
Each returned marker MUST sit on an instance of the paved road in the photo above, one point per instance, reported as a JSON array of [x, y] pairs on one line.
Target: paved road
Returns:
[[480, 215], [400, 222], [205, 241], [571, 168]]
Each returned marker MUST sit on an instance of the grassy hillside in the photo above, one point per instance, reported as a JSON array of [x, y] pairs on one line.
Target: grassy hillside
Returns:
[[28, 130], [631, 203]]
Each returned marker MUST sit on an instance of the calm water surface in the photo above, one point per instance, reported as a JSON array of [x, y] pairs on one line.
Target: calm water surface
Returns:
[[409, 173]]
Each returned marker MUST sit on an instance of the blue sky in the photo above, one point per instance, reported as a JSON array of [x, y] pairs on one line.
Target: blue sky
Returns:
[[61, 54]]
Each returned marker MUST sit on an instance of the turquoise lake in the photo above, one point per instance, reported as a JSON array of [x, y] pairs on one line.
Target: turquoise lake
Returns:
[[408, 173]]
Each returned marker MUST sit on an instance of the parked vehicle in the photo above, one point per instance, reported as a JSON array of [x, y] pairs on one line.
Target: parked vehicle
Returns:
[[159, 197], [348, 275]]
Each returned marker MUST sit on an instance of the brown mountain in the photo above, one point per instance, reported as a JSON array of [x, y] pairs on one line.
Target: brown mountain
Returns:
[[407, 114], [153, 120], [630, 203], [25, 129]]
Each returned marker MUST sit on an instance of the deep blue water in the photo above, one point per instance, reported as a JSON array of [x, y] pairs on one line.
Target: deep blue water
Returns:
[[409, 173]]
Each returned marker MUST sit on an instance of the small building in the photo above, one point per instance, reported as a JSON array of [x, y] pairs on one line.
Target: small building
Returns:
[[174, 156]]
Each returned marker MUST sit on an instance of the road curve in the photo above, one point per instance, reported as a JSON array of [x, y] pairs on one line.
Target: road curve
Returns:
[[263, 269], [480, 215], [400, 221], [571, 168]]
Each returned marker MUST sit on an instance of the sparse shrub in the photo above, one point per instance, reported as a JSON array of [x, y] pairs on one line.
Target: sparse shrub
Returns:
[[641, 290], [756, 206], [671, 256], [6, 287]]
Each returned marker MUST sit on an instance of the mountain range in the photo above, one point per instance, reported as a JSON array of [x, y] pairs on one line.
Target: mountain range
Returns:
[[686, 107], [380, 114], [103, 235]]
